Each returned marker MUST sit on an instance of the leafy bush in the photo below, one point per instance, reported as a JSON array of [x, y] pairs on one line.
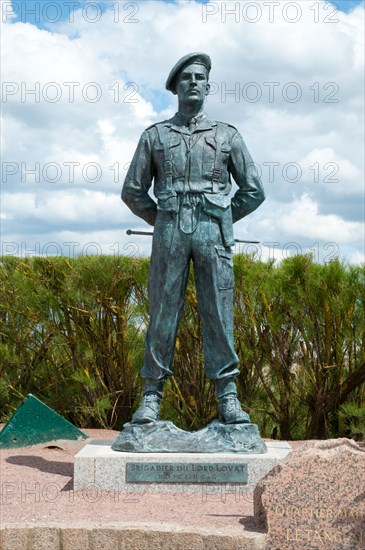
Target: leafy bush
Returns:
[[72, 333]]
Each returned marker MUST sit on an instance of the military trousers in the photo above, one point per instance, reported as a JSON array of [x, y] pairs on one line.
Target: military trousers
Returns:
[[173, 250]]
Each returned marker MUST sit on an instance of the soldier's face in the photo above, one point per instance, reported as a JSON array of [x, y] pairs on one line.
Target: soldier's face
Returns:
[[192, 84]]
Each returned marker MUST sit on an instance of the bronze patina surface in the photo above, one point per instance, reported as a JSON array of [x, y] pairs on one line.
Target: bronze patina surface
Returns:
[[191, 161]]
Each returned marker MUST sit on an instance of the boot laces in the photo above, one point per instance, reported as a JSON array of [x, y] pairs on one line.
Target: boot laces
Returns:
[[151, 400], [231, 402]]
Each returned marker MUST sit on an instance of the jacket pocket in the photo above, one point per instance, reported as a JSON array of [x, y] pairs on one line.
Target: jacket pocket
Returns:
[[176, 156], [222, 201], [210, 140], [226, 148], [175, 141], [167, 203]]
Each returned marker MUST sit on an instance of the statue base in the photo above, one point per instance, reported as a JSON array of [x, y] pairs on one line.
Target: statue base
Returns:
[[98, 467], [165, 437]]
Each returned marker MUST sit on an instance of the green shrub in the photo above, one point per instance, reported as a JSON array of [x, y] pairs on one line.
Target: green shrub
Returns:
[[72, 333]]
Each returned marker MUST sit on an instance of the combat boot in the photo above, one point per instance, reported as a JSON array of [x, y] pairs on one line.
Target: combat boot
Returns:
[[229, 407], [230, 410], [148, 410]]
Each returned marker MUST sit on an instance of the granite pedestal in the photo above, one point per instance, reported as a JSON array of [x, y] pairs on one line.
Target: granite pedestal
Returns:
[[99, 467]]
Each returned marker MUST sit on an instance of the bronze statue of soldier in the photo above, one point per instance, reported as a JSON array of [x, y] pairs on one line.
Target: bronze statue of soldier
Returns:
[[190, 159]]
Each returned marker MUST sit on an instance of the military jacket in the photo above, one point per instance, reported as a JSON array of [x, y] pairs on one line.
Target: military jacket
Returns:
[[200, 159]]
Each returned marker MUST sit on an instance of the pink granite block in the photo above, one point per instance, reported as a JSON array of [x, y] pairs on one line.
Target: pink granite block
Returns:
[[13, 538], [76, 538], [315, 498], [45, 538]]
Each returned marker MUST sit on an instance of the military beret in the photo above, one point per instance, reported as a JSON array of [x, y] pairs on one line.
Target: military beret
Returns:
[[195, 57]]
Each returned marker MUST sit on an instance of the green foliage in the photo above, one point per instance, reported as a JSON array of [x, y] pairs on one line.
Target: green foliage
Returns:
[[72, 333], [352, 418], [66, 328], [300, 336]]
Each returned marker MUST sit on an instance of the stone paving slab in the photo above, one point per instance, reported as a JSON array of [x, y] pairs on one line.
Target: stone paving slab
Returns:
[[41, 510], [124, 536]]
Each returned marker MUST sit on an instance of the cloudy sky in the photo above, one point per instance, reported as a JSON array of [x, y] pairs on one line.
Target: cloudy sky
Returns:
[[81, 80]]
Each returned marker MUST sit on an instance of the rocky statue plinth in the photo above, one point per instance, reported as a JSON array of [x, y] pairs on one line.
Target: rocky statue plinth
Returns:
[[165, 437]]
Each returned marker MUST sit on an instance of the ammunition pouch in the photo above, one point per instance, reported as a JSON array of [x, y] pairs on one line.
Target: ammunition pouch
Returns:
[[219, 207]]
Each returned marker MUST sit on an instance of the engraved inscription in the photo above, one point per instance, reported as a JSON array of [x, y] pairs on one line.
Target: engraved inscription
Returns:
[[173, 472]]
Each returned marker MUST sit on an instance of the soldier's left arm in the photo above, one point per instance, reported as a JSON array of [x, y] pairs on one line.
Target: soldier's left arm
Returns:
[[250, 193]]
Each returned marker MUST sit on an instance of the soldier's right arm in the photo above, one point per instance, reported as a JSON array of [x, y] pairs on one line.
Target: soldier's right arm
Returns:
[[139, 180]]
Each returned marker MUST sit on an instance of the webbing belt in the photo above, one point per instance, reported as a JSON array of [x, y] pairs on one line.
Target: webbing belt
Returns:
[[164, 136], [219, 138]]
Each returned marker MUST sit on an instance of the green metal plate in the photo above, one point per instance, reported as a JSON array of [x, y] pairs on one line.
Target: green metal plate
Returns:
[[185, 472], [34, 422]]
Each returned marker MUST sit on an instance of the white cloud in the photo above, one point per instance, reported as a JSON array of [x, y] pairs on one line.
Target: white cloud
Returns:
[[336, 173], [128, 64], [303, 219], [62, 208]]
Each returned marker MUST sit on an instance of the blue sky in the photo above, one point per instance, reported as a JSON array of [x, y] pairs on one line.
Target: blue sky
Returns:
[[65, 155], [24, 9], [347, 5]]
